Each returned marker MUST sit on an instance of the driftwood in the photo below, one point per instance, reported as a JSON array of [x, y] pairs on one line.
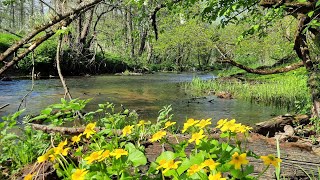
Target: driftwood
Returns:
[[278, 123]]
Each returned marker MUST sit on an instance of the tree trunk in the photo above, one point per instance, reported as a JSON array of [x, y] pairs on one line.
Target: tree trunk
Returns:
[[312, 65], [130, 31]]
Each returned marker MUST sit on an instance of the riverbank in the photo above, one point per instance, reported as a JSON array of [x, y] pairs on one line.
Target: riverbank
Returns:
[[288, 90]]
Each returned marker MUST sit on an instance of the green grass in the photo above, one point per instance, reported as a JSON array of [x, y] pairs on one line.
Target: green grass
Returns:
[[287, 90]]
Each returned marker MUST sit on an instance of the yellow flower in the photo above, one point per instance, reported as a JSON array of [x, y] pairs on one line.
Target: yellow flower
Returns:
[[167, 165], [93, 156], [221, 122], [238, 160], [90, 130], [203, 123], [28, 177], [43, 158], [79, 174], [210, 163], [118, 153], [217, 176], [158, 135], [229, 126], [168, 124], [105, 155], [162, 164], [271, 159], [197, 137], [76, 139], [188, 124], [46, 156], [59, 149], [143, 122], [194, 169], [127, 130]]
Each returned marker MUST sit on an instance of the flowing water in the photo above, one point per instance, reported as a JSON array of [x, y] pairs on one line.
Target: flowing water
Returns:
[[146, 94]]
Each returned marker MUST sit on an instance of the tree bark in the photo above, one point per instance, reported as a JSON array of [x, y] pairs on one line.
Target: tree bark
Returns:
[[312, 65], [130, 31]]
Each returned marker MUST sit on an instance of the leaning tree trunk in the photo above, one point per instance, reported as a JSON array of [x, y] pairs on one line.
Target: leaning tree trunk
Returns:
[[311, 64]]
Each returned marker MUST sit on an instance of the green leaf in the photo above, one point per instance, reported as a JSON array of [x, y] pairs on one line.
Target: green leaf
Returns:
[[167, 155], [46, 111], [136, 156], [310, 14], [248, 170], [318, 3]]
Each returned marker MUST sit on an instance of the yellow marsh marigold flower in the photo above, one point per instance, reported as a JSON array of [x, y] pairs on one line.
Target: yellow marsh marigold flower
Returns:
[[238, 160], [194, 169], [105, 155], [210, 163], [127, 130], [197, 137], [90, 130], [43, 158], [118, 153], [79, 174], [28, 177], [167, 165], [217, 176], [93, 156], [60, 148], [76, 139], [158, 135], [221, 122], [143, 122], [229, 126], [271, 159], [162, 164], [203, 123], [168, 124], [188, 124]]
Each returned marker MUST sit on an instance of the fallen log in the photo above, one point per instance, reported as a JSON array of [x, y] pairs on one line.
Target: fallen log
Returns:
[[277, 124]]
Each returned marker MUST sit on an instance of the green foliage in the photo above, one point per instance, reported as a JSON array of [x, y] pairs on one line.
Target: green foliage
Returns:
[[287, 90], [20, 145], [6, 40], [104, 152]]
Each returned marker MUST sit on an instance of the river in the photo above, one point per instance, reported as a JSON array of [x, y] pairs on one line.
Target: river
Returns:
[[146, 94]]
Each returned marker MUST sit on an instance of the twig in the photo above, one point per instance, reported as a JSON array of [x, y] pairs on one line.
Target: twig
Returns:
[[32, 85], [4, 106], [50, 7], [58, 55]]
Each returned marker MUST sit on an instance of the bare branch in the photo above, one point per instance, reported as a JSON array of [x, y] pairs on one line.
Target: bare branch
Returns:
[[258, 71], [50, 7], [42, 28], [8, 31]]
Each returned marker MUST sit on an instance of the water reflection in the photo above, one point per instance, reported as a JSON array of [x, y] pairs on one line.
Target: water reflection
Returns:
[[146, 94]]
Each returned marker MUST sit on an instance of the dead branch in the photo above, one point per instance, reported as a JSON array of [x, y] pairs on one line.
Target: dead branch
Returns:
[[32, 84], [42, 28], [1, 107], [58, 56], [64, 20], [258, 71], [66, 130], [9, 31], [50, 7]]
